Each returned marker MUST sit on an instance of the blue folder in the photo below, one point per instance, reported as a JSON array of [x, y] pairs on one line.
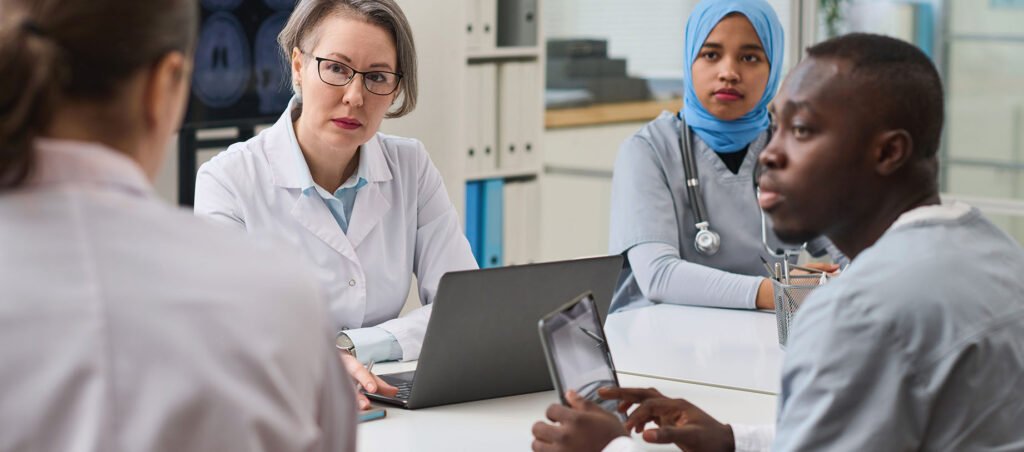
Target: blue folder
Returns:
[[493, 223], [474, 206]]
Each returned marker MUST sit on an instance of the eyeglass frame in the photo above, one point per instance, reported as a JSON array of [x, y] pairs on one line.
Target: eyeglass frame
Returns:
[[355, 72]]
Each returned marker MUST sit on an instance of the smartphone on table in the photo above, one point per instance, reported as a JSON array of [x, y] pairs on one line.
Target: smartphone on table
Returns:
[[372, 413]]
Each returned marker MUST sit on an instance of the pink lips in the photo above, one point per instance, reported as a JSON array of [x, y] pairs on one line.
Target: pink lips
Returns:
[[728, 95], [347, 123], [768, 200]]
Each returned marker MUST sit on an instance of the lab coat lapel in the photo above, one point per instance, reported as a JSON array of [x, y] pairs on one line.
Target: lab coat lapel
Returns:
[[311, 212], [372, 201], [371, 205]]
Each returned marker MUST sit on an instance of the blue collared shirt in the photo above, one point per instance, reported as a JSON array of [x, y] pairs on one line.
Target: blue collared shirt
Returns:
[[344, 198]]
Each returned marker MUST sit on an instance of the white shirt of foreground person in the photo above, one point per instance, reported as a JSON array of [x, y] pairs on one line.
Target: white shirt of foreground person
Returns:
[[402, 224], [127, 325], [910, 349]]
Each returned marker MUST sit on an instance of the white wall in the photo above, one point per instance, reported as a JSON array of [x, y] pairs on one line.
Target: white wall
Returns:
[[576, 189]]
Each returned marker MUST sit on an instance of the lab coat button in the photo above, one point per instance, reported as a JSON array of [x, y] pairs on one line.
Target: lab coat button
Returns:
[[352, 283]]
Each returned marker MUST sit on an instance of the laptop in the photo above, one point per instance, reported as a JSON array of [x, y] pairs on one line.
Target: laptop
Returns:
[[481, 340]]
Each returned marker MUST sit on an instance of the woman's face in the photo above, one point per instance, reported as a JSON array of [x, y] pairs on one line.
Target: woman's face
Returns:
[[731, 71], [343, 116]]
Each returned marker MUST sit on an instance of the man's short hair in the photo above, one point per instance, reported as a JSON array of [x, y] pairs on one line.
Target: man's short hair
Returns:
[[905, 88]]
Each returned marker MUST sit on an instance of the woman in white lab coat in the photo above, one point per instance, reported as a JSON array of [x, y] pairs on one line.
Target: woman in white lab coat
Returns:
[[126, 324], [369, 210]]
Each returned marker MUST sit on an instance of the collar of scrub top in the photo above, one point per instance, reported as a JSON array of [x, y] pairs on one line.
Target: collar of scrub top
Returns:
[[89, 163], [289, 166], [730, 136]]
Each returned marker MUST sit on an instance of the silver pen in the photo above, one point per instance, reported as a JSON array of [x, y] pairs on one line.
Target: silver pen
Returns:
[[369, 368]]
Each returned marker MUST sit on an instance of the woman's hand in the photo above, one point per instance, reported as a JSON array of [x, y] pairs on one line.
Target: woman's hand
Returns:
[[368, 381], [765, 298], [832, 270]]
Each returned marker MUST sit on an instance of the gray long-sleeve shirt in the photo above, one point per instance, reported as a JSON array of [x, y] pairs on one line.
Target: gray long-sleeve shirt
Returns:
[[918, 346], [651, 214]]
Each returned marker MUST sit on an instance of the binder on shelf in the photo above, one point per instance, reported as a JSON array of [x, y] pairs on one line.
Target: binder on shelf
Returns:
[[474, 204], [473, 39], [472, 140], [487, 119], [509, 115], [520, 113], [487, 18], [492, 240], [530, 202], [517, 23], [531, 110], [521, 226], [513, 232]]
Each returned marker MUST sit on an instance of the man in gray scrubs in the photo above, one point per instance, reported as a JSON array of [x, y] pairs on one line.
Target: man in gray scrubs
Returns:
[[919, 345]]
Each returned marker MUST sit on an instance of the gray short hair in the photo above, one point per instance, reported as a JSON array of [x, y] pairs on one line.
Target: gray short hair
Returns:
[[308, 14]]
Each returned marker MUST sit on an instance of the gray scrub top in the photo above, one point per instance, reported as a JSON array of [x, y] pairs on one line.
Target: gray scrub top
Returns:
[[650, 204], [919, 345]]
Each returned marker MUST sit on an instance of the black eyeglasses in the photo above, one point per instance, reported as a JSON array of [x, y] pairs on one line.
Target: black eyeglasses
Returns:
[[336, 73]]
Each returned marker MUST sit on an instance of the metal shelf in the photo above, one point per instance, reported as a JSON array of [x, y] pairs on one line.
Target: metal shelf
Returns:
[[503, 174]]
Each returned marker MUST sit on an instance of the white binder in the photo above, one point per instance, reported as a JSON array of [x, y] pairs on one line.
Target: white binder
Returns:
[[513, 231], [530, 211], [473, 39], [487, 22], [487, 114], [522, 229], [509, 114], [471, 142], [530, 106]]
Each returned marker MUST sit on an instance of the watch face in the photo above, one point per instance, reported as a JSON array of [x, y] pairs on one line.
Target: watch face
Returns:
[[344, 342]]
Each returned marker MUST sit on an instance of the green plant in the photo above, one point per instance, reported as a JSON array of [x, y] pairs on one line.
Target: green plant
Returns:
[[833, 12]]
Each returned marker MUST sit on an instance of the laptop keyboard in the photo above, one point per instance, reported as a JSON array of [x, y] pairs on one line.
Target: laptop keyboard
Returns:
[[402, 381], [404, 389]]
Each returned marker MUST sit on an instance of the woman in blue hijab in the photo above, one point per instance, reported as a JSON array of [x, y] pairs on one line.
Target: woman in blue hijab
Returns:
[[733, 59]]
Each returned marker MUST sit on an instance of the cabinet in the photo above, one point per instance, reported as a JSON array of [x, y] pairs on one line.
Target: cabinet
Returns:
[[481, 116]]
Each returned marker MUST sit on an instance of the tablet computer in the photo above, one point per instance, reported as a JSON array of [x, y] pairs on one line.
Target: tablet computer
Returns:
[[577, 351]]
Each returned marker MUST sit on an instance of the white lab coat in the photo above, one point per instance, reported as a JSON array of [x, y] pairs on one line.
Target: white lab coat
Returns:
[[403, 223], [127, 325]]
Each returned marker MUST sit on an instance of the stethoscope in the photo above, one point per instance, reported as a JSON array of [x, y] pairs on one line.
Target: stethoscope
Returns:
[[707, 241]]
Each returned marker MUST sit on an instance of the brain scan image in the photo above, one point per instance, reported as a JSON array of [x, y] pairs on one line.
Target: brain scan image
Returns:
[[271, 72], [223, 61]]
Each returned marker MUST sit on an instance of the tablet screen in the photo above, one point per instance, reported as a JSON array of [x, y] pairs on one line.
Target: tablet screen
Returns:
[[577, 351]]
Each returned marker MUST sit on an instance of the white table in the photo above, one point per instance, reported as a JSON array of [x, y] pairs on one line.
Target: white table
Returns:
[[504, 424], [720, 347]]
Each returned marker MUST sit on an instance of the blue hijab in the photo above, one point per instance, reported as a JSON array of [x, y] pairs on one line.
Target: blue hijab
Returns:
[[730, 136]]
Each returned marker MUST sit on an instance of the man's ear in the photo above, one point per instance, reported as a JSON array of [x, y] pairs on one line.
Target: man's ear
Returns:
[[893, 149], [162, 87]]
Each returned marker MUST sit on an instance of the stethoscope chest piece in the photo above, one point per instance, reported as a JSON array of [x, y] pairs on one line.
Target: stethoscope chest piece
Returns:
[[707, 241]]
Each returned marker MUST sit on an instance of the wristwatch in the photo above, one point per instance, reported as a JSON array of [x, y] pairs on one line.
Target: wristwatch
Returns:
[[344, 343]]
